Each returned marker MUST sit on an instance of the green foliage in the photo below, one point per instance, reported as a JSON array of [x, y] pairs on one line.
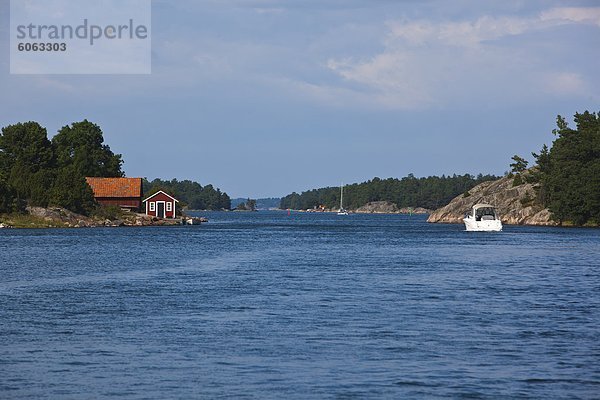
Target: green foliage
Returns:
[[519, 164], [24, 220], [9, 202], [26, 144], [71, 191], [40, 185], [528, 200], [466, 194], [248, 205], [517, 180], [26, 162], [190, 193], [431, 192], [570, 171], [40, 172], [82, 147], [108, 212]]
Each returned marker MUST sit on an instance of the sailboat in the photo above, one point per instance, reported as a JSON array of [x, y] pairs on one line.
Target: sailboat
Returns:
[[342, 210]]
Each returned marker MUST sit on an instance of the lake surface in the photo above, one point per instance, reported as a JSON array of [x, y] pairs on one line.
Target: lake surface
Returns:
[[266, 305]]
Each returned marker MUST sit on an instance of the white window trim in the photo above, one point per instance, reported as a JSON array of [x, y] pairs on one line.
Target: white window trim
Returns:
[[152, 206], [169, 206]]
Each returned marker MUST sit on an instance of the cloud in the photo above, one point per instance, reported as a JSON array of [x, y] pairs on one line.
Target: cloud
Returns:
[[427, 63], [391, 78], [564, 83], [588, 15]]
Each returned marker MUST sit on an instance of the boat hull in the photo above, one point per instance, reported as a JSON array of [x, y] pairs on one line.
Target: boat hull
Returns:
[[482, 226]]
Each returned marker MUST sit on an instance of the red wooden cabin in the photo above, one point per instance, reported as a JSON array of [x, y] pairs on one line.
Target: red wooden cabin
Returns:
[[121, 192], [161, 205]]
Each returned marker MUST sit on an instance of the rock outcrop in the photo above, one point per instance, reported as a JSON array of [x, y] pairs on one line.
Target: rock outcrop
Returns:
[[382, 207], [60, 217], [516, 205], [387, 207]]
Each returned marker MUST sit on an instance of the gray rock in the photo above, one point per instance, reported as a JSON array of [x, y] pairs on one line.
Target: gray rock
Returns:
[[386, 207], [515, 205]]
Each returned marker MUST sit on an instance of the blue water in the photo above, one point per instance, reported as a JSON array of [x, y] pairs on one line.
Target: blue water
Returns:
[[266, 305]]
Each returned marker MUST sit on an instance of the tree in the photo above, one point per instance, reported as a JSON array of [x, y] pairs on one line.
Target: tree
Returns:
[[9, 201], [40, 172], [71, 191], [570, 171], [81, 145], [519, 165], [25, 143], [26, 159]]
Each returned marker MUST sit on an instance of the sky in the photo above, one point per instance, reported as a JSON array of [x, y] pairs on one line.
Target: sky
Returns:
[[265, 97]]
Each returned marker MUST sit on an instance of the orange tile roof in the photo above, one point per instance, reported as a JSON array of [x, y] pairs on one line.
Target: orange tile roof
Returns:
[[116, 187]]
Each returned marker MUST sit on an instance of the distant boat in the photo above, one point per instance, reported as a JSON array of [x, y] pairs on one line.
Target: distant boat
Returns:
[[483, 217], [193, 220], [342, 210]]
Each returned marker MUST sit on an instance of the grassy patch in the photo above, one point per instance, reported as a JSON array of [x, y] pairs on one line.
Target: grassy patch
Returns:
[[108, 212], [28, 221]]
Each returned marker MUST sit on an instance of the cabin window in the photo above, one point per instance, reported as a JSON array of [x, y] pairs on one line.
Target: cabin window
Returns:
[[152, 206], [169, 206]]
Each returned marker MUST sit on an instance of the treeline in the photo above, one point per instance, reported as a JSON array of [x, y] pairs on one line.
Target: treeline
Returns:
[[569, 172], [190, 194], [430, 192], [37, 171]]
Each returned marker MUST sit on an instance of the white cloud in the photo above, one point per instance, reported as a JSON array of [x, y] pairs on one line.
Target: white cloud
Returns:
[[589, 15], [426, 63], [564, 83], [466, 33]]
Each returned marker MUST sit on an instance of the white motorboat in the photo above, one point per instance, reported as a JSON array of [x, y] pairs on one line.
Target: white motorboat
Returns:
[[483, 217]]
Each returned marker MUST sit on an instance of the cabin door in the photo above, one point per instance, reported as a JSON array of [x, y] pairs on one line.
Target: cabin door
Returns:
[[160, 209]]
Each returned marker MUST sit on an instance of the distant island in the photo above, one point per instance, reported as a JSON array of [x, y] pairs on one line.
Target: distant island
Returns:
[[267, 203], [387, 195]]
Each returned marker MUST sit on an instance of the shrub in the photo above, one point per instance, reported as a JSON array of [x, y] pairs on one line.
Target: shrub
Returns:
[[108, 212]]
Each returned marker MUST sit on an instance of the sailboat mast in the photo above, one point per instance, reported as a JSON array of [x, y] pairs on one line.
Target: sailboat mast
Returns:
[[341, 196]]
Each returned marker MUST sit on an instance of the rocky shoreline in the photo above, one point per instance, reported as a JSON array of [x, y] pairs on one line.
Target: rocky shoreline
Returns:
[[516, 205], [374, 207], [56, 217], [387, 207]]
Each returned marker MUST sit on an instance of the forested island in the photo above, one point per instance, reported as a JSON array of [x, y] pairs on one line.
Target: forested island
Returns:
[[561, 188], [36, 171], [430, 192]]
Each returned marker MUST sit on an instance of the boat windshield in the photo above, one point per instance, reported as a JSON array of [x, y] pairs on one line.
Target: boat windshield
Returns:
[[485, 213]]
